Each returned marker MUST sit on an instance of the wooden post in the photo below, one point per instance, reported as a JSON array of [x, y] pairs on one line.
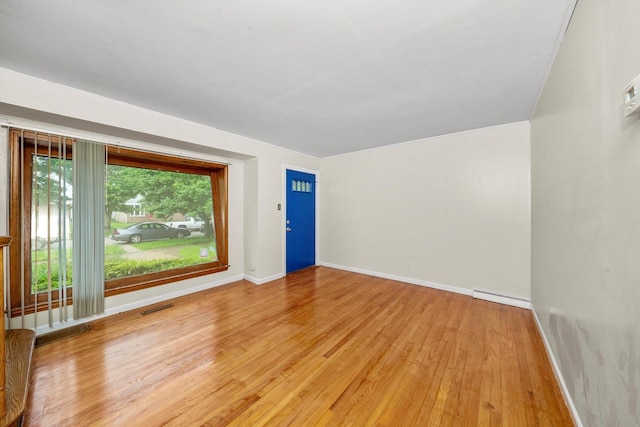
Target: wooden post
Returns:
[[4, 241]]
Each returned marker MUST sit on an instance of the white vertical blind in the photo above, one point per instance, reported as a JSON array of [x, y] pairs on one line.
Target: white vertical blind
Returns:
[[88, 228], [50, 187], [63, 208]]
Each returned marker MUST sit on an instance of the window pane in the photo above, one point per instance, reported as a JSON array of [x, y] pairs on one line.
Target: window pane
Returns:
[[176, 229], [42, 224], [51, 226]]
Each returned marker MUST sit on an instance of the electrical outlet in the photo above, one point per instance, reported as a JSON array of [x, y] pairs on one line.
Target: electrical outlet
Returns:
[[410, 265], [252, 266]]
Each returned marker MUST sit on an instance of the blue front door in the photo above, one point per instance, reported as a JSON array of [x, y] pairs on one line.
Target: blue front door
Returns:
[[301, 220]]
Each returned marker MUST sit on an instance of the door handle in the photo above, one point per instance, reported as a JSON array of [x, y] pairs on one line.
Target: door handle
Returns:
[[288, 228]]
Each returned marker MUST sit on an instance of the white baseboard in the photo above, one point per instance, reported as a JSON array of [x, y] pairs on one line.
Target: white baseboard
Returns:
[[264, 280], [43, 329], [556, 371], [171, 295], [502, 299], [411, 280]]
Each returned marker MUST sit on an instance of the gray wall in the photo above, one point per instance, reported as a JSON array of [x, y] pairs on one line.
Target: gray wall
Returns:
[[586, 213]]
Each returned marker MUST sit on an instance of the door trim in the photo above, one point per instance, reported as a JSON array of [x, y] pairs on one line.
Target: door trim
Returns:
[[283, 212]]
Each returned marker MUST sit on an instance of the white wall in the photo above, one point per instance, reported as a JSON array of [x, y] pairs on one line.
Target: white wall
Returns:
[[251, 227], [456, 207], [253, 193], [271, 219], [586, 213]]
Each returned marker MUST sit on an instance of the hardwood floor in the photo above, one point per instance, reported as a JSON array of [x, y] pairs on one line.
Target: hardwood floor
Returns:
[[323, 347]]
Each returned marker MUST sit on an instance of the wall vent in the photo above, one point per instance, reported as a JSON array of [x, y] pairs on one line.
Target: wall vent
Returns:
[[154, 309]]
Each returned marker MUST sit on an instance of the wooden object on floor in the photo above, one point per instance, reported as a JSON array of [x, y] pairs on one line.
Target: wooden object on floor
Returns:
[[19, 350], [16, 349], [323, 347]]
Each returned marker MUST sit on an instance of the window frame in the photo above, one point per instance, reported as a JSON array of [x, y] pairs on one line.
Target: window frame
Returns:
[[137, 211], [19, 214]]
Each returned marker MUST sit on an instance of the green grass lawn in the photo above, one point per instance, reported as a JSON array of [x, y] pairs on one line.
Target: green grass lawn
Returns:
[[193, 252], [171, 243], [113, 250], [41, 255], [116, 263]]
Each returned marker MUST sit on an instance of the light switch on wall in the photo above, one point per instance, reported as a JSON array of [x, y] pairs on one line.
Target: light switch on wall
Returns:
[[632, 96]]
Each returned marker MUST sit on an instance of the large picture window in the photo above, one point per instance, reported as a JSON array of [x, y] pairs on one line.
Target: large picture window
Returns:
[[165, 219]]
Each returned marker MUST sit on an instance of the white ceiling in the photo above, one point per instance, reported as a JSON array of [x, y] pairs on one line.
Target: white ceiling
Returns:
[[321, 77]]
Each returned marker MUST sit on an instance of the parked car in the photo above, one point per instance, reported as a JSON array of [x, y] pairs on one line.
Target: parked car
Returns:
[[40, 243], [136, 233], [191, 223]]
